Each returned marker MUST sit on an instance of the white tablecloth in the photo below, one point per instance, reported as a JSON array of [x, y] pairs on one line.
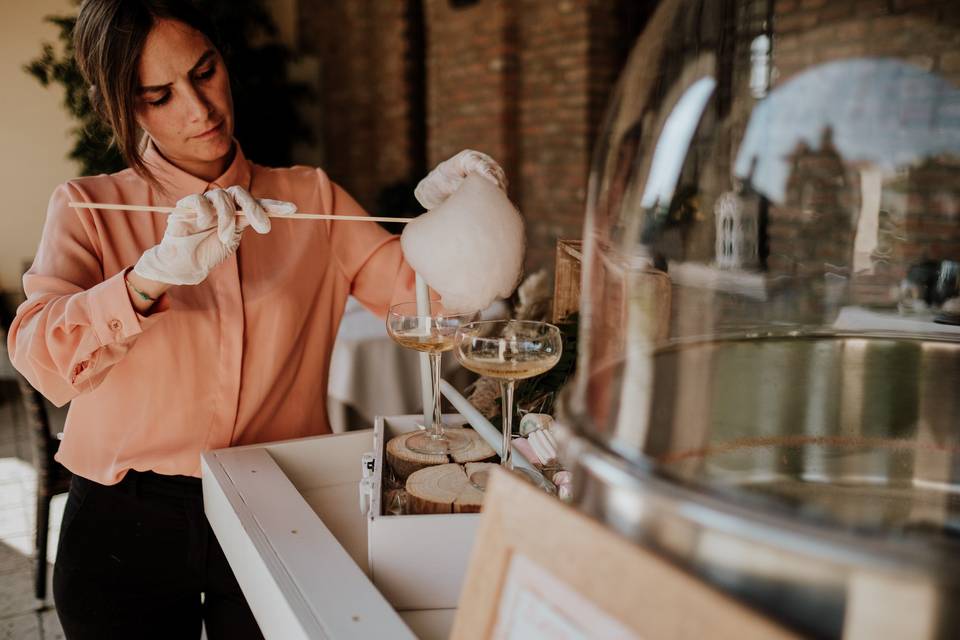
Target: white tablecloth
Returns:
[[371, 375]]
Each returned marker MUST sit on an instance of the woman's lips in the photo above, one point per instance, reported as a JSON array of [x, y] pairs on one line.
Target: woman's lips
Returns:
[[209, 133]]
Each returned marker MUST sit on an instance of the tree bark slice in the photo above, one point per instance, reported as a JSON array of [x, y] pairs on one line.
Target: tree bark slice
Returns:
[[444, 488], [405, 461], [471, 501], [478, 451]]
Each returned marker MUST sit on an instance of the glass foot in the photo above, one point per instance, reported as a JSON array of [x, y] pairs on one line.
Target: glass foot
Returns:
[[536, 479], [479, 479], [449, 442]]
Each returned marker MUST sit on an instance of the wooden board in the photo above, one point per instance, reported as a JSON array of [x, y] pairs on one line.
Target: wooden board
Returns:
[[445, 488], [404, 461], [615, 586], [299, 580]]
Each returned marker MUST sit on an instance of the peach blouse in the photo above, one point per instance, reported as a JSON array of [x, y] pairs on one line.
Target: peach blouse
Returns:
[[241, 358]]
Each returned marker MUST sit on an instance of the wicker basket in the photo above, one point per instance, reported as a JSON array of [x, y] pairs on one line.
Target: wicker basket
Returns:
[[566, 284]]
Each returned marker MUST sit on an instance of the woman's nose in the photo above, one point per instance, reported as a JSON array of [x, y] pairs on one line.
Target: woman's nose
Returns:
[[197, 105]]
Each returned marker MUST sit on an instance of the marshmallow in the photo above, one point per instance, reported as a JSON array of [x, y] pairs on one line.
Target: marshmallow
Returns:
[[545, 451], [564, 482], [534, 422]]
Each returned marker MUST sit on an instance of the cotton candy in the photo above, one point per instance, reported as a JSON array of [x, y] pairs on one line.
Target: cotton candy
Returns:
[[470, 248]]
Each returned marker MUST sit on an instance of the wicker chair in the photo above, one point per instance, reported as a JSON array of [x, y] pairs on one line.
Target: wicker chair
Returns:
[[52, 477]]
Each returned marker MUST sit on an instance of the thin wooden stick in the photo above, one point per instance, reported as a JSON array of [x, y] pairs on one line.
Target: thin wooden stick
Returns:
[[296, 216]]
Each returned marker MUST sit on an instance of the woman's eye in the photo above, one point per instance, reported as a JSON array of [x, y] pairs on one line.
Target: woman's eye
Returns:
[[160, 101], [205, 75]]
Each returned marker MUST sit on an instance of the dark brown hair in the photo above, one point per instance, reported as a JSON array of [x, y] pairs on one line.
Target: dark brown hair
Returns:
[[108, 39]]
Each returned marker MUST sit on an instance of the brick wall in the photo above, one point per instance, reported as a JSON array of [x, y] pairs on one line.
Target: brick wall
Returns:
[[526, 81], [471, 79], [554, 122], [513, 79], [812, 231], [920, 207], [813, 227], [365, 55], [922, 31]]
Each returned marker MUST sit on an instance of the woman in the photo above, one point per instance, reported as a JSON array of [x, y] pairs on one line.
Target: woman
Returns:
[[171, 335]]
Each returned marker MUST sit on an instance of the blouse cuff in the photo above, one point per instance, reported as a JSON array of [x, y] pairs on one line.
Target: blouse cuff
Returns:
[[112, 313]]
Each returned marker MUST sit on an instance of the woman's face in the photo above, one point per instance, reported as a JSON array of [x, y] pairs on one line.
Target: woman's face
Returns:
[[184, 102]]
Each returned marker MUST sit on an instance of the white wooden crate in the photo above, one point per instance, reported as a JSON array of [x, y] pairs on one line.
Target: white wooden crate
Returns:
[[418, 561], [288, 517]]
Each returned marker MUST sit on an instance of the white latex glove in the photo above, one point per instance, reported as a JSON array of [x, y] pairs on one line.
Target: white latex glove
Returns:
[[203, 231], [447, 176]]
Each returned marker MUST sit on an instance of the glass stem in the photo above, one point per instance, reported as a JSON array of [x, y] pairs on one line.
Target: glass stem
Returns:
[[437, 433], [506, 393]]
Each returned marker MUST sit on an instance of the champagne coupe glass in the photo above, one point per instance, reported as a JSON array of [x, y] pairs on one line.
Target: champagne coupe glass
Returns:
[[508, 350], [432, 334]]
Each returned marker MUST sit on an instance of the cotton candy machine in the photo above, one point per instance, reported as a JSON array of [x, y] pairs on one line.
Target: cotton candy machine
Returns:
[[768, 386]]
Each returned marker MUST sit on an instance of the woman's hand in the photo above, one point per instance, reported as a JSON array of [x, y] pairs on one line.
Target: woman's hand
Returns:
[[447, 176], [203, 231]]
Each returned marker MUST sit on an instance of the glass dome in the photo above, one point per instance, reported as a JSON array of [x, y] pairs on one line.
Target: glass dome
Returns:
[[771, 278]]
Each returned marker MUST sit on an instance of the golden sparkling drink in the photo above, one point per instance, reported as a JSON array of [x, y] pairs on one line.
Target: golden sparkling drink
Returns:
[[513, 367], [430, 343]]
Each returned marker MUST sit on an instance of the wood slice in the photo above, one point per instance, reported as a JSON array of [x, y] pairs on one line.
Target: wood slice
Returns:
[[471, 500], [478, 451], [443, 488], [435, 489], [405, 461]]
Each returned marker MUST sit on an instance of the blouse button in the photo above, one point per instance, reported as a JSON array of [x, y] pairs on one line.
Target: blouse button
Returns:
[[115, 325]]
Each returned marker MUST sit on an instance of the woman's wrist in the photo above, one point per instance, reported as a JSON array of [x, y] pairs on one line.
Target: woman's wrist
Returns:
[[143, 292]]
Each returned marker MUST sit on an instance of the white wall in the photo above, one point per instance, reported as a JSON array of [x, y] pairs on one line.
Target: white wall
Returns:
[[34, 138]]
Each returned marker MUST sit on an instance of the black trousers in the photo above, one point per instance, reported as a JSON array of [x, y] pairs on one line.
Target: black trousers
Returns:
[[134, 559]]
